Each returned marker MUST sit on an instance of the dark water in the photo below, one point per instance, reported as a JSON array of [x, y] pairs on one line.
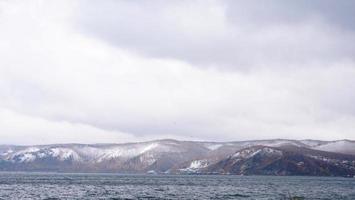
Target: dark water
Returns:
[[112, 186]]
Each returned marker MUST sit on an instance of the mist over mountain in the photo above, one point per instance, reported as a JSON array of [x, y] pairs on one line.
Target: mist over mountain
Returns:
[[262, 157]]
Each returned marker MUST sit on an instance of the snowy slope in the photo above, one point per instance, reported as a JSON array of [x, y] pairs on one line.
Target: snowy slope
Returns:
[[92, 153], [341, 146]]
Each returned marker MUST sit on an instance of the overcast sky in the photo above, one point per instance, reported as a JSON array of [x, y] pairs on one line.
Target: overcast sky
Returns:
[[118, 71]]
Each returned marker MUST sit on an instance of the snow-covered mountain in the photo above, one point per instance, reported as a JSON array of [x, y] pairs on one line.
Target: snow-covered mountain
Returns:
[[161, 156], [284, 160]]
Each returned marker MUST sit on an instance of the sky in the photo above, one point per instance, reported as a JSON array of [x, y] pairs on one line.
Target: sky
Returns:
[[75, 71]]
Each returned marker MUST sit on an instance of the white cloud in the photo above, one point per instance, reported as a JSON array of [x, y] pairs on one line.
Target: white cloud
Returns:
[[59, 84], [17, 128]]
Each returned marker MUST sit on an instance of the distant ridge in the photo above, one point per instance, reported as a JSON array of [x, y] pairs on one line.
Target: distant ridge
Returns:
[[266, 157]]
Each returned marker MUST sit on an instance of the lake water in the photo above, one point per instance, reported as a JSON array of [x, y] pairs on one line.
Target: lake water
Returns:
[[114, 186]]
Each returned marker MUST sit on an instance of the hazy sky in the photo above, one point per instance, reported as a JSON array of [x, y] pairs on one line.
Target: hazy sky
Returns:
[[118, 71]]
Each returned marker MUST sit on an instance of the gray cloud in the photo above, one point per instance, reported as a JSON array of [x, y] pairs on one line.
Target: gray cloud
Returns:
[[266, 12], [227, 34]]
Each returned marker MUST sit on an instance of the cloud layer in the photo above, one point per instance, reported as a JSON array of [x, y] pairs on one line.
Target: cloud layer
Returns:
[[117, 71]]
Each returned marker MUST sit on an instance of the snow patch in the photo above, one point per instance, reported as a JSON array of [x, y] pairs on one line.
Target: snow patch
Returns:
[[64, 154], [248, 153], [213, 146], [195, 166], [27, 157]]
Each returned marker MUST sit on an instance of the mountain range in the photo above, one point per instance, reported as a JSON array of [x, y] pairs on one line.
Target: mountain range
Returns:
[[257, 157]]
